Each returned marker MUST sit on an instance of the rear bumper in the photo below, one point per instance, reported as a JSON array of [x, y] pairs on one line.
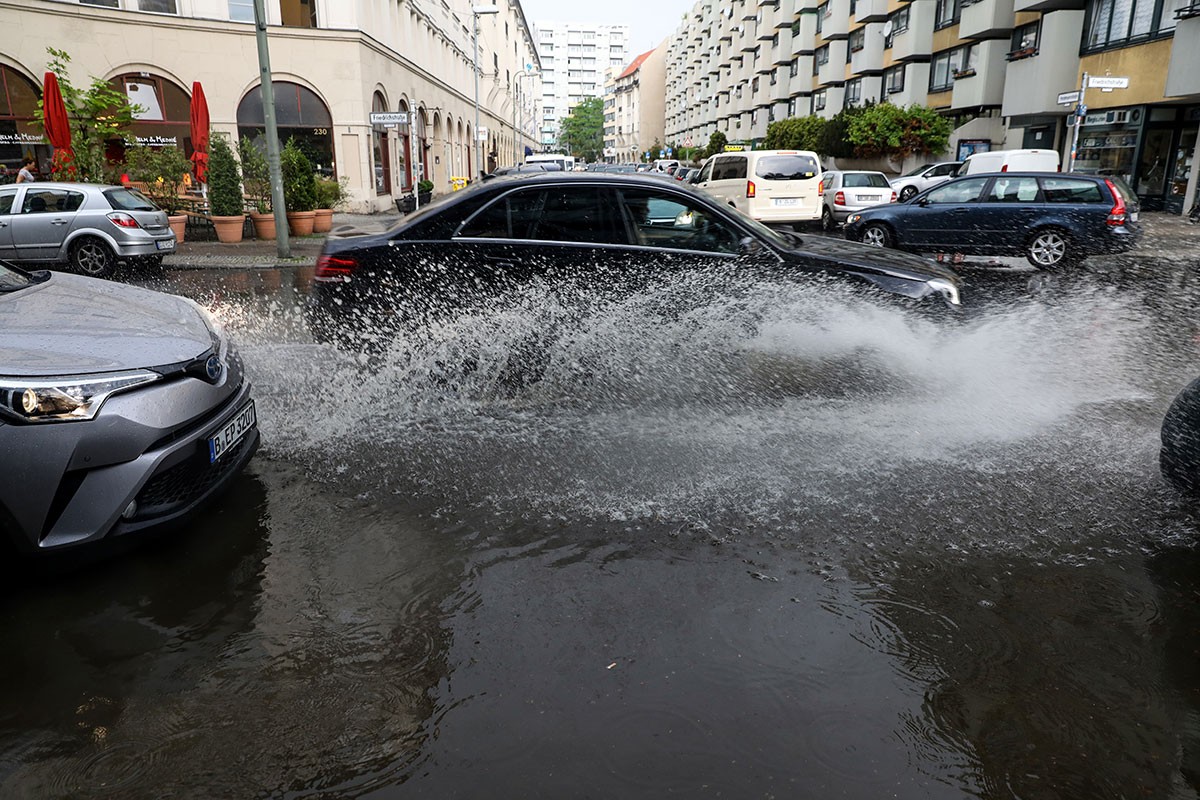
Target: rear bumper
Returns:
[[767, 213]]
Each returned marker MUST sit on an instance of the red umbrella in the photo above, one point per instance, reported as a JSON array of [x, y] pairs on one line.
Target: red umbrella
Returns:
[[199, 131], [57, 126]]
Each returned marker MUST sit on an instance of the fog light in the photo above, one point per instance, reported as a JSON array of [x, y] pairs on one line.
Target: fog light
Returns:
[[130, 510]]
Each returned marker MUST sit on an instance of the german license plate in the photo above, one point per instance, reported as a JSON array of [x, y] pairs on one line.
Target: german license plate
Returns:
[[868, 197], [1133, 217], [232, 433], [786, 201], [165, 244]]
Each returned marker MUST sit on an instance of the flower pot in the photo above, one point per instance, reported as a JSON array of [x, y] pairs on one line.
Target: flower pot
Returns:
[[425, 197], [406, 204], [323, 220], [264, 225], [300, 223], [229, 229], [178, 223]]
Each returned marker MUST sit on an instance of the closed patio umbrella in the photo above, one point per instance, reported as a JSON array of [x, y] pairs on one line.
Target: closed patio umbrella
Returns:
[[199, 119], [58, 127]]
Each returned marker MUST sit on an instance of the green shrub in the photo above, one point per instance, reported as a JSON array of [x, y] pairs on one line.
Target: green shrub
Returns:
[[424, 187], [891, 131], [299, 180], [256, 174], [162, 171], [795, 133], [224, 183], [331, 193]]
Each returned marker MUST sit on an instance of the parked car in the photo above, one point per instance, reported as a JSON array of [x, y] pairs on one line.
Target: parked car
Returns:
[[90, 227], [771, 186], [924, 177], [1179, 457], [122, 410], [686, 174], [1053, 219], [846, 191], [495, 236], [1028, 160]]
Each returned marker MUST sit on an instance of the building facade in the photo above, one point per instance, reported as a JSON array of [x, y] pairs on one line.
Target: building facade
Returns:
[[576, 59], [334, 62], [634, 107], [1002, 70]]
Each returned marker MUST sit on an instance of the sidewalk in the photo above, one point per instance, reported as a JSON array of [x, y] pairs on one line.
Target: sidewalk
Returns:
[[1166, 239]]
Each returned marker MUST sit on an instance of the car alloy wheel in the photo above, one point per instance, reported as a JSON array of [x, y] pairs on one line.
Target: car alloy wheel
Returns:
[[827, 223], [92, 257], [907, 193], [876, 235], [1048, 248]]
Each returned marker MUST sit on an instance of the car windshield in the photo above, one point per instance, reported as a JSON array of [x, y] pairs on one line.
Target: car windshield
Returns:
[[787, 168], [858, 180], [129, 200], [916, 171], [11, 280]]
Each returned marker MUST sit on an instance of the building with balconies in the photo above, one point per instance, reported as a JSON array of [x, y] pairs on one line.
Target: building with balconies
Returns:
[[635, 100], [576, 59]]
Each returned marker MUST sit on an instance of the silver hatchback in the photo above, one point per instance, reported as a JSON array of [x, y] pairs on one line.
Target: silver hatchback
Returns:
[[90, 227]]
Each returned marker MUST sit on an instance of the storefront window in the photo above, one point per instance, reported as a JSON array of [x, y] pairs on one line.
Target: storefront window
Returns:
[[404, 156], [299, 114], [20, 134], [379, 149]]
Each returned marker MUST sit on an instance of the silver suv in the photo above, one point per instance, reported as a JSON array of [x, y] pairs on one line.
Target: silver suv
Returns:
[[88, 226]]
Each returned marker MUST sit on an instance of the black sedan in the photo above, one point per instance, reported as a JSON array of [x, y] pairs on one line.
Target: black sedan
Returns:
[[609, 231], [1053, 219]]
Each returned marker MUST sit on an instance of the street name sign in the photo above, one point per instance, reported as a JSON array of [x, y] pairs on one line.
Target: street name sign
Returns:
[[389, 118], [1107, 82], [1066, 98]]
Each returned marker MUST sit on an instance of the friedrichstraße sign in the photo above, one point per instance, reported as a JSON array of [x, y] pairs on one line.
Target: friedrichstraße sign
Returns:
[[389, 118], [1107, 82]]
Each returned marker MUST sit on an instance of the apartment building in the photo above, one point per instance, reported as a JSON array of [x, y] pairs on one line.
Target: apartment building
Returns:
[[576, 59], [334, 63], [634, 107], [997, 68]]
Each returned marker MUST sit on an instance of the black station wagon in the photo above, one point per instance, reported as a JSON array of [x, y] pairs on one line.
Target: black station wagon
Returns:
[[602, 229], [1053, 219]]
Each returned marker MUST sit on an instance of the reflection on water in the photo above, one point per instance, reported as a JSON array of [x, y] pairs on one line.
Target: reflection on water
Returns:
[[744, 542]]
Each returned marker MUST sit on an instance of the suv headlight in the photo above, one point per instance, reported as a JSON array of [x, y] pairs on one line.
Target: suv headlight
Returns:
[[65, 398], [946, 289], [853, 218]]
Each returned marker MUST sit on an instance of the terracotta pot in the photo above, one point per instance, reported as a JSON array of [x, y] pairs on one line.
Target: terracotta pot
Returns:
[[178, 223], [264, 225], [300, 223], [229, 229], [323, 221]]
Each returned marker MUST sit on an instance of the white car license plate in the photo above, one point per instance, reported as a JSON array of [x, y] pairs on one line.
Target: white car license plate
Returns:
[[233, 432], [786, 201], [866, 197], [1133, 217], [165, 244]]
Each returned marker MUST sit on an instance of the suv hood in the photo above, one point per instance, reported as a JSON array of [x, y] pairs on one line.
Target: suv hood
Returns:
[[882, 261], [71, 325]]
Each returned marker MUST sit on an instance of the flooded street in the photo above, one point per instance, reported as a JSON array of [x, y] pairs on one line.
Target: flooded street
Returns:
[[776, 544]]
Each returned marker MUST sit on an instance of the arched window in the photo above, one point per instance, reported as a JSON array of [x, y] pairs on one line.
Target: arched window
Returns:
[[405, 156], [299, 114], [162, 116], [20, 134], [379, 149]]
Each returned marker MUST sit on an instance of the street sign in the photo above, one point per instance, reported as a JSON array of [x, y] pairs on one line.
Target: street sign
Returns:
[[688, 142], [1066, 98], [482, 135], [389, 118], [668, 151], [1107, 82]]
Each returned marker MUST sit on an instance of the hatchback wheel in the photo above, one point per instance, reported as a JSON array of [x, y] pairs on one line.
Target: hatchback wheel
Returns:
[[827, 223], [91, 256], [1049, 248], [876, 235], [907, 193]]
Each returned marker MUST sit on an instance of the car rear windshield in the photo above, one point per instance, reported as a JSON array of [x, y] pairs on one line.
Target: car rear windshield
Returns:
[[787, 168], [129, 200], [11, 280], [858, 180], [1071, 190], [1127, 194]]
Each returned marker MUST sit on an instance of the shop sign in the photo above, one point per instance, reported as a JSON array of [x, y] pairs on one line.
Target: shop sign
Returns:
[[20, 138], [156, 141]]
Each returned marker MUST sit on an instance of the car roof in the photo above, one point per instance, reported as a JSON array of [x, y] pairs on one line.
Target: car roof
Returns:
[[67, 185], [1034, 174]]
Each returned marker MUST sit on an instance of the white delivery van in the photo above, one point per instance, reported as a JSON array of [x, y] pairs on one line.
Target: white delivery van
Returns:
[[1012, 161], [768, 185], [554, 160]]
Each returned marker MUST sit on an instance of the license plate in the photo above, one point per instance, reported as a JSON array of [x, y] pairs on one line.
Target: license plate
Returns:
[[868, 197], [1133, 217], [165, 244], [232, 433], [786, 201]]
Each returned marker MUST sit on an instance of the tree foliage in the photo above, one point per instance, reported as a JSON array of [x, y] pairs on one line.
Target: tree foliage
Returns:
[[97, 114], [891, 131], [795, 133], [716, 143], [581, 133], [299, 178], [224, 183], [162, 170], [256, 173]]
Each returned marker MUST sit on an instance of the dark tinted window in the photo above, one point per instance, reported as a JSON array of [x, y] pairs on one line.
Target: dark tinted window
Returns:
[[1013, 190], [510, 217], [706, 171], [1071, 190], [957, 191], [129, 200], [857, 180], [666, 220], [49, 201], [729, 169], [558, 214], [942, 170], [786, 168]]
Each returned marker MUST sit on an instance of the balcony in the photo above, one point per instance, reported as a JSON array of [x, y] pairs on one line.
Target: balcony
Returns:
[[1032, 85], [916, 41], [869, 59], [1049, 5], [833, 71], [787, 12], [836, 24], [985, 86], [986, 19], [834, 100], [802, 81], [803, 43], [782, 54], [870, 10], [782, 89]]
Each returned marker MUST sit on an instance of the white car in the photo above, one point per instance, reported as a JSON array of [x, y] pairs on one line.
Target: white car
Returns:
[[909, 185]]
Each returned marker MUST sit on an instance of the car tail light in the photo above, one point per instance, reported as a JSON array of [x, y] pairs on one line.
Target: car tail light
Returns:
[[821, 187], [750, 190], [1118, 213], [1004, 168], [334, 269], [123, 220], [839, 199], [893, 195]]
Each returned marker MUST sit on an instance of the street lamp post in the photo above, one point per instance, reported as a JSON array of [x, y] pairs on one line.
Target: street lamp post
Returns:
[[518, 112], [476, 12]]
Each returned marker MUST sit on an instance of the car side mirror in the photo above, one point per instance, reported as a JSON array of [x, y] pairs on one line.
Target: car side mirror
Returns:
[[924, 201], [749, 246]]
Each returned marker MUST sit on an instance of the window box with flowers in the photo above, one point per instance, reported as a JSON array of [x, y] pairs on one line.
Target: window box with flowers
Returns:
[[964, 73], [1024, 52]]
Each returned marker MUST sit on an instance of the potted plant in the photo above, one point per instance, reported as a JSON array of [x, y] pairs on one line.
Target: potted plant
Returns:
[[225, 191], [299, 189], [425, 191], [256, 178], [331, 195], [162, 173]]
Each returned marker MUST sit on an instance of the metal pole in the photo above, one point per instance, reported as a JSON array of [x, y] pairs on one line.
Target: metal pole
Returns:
[[516, 103], [282, 245], [475, 66], [1080, 110]]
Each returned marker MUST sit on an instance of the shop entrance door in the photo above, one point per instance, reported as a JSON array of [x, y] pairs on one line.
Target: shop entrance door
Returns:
[[1154, 167]]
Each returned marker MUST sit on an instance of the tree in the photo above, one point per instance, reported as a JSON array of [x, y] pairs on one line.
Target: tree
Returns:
[[795, 133], [582, 132], [97, 115], [716, 143], [224, 183], [894, 132]]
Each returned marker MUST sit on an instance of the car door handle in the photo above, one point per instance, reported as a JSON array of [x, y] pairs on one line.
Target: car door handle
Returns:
[[58, 222], [960, 211], [500, 261]]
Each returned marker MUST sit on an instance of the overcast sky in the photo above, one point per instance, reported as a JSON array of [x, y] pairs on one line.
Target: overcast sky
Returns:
[[649, 21]]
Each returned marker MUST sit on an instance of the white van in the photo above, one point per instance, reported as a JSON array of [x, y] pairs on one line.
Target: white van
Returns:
[[768, 185], [563, 162], [1012, 161]]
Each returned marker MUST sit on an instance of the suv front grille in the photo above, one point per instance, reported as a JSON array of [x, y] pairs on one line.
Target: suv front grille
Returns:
[[177, 487]]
